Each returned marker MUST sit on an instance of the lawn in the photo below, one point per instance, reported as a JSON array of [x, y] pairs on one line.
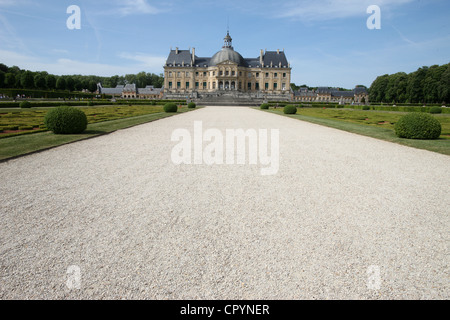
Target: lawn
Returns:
[[15, 122], [102, 120], [375, 124]]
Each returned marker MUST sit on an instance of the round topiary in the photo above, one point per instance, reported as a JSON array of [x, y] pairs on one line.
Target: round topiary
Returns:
[[418, 126], [66, 120], [192, 105], [264, 106], [171, 108], [25, 105], [436, 110], [290, 109]]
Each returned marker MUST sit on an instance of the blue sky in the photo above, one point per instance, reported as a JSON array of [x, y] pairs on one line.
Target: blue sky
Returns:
[[327, 42]]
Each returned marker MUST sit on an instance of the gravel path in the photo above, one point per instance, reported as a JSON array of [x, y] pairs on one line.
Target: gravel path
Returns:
[[341, 208]]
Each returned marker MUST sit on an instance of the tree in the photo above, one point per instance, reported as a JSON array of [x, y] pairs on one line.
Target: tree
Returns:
[[444, 87], [10, 80], [2, 79], [27, 80], [39, 81], [70, 84], [61, 84], [4, 68], [50, 82], [92, 86]]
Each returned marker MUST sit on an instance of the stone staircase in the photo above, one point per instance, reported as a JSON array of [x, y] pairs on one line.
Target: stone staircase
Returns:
[[229, 99]]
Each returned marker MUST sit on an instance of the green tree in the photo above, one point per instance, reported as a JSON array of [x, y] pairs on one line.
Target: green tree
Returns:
[[2, 79], [39, 81], [50, 82], [61, 84], [27, 80], [10, 80], [444, 87], [70, 84], [92, 86], [4, 68]]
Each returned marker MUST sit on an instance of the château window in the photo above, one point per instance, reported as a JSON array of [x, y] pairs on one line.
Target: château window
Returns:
[[170, 85], [275, 86], [204, 85], [284, 75], [267, 86], [196, 85], [178, 85], [187, 85], [233, 73], [267, 74], [170, 74], [275, 75]]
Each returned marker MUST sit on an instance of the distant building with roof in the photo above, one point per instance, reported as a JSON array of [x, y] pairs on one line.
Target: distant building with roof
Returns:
[[227, 72], [359, 95], [131, 91]]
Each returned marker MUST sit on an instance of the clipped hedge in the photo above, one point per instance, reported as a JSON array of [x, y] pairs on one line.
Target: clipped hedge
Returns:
[[418, 126], [170, 108], [25, 105], [264, 106], [192, 105], [436, 110], [66, 120], [290, 109]]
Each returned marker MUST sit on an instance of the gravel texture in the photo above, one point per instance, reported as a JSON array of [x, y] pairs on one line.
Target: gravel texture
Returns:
[[140, 227]]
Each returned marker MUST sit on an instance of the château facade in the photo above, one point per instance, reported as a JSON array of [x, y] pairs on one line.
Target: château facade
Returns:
[[267, 76]]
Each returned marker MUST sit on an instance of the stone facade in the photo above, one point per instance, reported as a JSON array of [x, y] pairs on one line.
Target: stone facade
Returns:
[[357, 96], [187, 75], [131, 91]]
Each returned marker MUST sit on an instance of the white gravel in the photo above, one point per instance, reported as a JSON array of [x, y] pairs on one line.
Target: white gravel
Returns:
[[139, 227]]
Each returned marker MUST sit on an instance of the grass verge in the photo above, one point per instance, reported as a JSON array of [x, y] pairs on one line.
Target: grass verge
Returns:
[[386, 133]]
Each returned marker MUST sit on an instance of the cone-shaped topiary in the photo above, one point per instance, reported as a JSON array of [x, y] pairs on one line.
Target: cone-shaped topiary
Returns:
[[171, 108], [265, 106], [66, 120], [418, 126], [192, 105], [290, 109]]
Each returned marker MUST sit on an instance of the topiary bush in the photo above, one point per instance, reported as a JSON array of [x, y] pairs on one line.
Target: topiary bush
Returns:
[[25, 105], [192, 105], [290, 109], [418, 126], [171, 108], [66, 120], [264, 106], [436, 110]]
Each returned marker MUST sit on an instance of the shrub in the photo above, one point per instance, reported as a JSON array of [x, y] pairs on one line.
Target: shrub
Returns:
[[26, 128], [66, 120], [25, 105], [265, 106], [171, 108], [435, 110], [90, 103], [192, 105], [366, 108], [418, 126], [290, 109]]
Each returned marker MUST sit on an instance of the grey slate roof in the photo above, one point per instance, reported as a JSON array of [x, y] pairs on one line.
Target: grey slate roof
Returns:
[[274, 58]]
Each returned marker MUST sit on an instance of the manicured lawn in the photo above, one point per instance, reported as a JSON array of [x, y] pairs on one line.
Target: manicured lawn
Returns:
[[27, 143], [375, 124], [24, 121]]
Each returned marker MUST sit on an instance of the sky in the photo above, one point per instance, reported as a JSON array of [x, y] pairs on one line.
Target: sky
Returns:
[[328, 43]]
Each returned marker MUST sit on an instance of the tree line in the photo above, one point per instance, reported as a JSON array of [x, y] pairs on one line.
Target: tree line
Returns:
[[426, 85], [16, 78]]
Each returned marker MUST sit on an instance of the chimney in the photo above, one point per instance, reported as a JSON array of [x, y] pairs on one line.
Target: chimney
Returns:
[[176, 50], [278, 51], [261, 57], [193, 57]]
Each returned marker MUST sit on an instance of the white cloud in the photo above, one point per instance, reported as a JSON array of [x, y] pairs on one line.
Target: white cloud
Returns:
[[64, 66], [321, 10], [128, 7], [147, 61]]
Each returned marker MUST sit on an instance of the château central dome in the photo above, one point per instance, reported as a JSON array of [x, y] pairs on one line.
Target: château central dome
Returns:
[[228, 54]]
